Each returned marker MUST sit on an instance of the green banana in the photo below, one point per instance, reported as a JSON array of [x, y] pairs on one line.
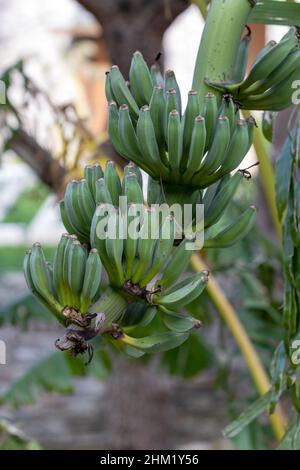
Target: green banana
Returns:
[[39, 272], [131, 242], [157, 111], [86, 202], [218, 148], [120, 91], [148, 144], [71, 207], [177, 264], [182, 293], [113, 129], [58, 280], [174, 143], [65, 219], [98, 240], [91, 174], [127, 133], [197, 148], [146, 245], [114, 250], [132, 168], [102, 192], [141, 84], [154, 191], [215, 210], [171, 83], [234, 232], [273, 57], [229, 110], [157, 78], [132, 189], [76, 270], [91, 283], [242, 58], [113, 182], [162, 250], [210, 112], [171, 105], [191, 112], [238, 146]]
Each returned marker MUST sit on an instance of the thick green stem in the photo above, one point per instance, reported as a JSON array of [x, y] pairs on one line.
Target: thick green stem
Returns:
[[219, 43], [112, 304]]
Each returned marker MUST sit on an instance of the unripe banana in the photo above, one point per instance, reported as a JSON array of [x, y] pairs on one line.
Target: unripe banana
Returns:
[[76, 270], [154, 191], [210, 112], [114, 250], [113, 129], [102, 193], [49, 300], [148, 144], [65, 219], [127, 135], [267, 124], [99, 242], [120, 90], [242, 58], [58, 280], [91, 283], [182, 293], [177, 264], [132, 189], [218, 148], [238, 146], [140, 80], [132, 168], [192, 110], [229, 110], [223, 197], [157, 78], [86, 202], [113, 182], [174, 143], [197, 148], [157, 111], [171, 105], [162, 250], [234, 232], [39, 272], [146, 245], [269, 61], [91, 174], [131, 242], [71, 206], [171, 83]]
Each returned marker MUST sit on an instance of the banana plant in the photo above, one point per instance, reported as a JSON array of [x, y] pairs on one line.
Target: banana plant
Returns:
[[189, 156]]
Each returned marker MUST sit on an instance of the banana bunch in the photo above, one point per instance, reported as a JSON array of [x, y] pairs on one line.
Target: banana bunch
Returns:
[[191, 149], [268, 85], [73, 281], [82, 197]]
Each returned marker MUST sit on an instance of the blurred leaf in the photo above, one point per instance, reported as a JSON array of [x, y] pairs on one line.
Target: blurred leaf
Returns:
[[291, 440], [284, 166], [245, 418], [276, 12], [189, 359], [278, 375], [23, 310], [54, 373], [12, 438]]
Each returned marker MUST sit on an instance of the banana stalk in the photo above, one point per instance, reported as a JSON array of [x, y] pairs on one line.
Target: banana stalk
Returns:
[[220, 43]]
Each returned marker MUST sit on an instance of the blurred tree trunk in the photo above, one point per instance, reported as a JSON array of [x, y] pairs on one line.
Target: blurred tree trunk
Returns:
[[129, 25]]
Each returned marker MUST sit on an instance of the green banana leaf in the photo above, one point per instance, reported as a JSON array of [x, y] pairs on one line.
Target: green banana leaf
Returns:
[[11, 438], [248, 416], [291, 440], [276, 12], [54, 373]]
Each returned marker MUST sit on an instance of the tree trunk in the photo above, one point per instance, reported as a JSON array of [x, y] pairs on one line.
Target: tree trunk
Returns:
[[129, 25]]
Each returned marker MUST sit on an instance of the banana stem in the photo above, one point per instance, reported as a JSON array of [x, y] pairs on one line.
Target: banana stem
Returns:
[[258, 373], [219, 44], [267, 176]]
